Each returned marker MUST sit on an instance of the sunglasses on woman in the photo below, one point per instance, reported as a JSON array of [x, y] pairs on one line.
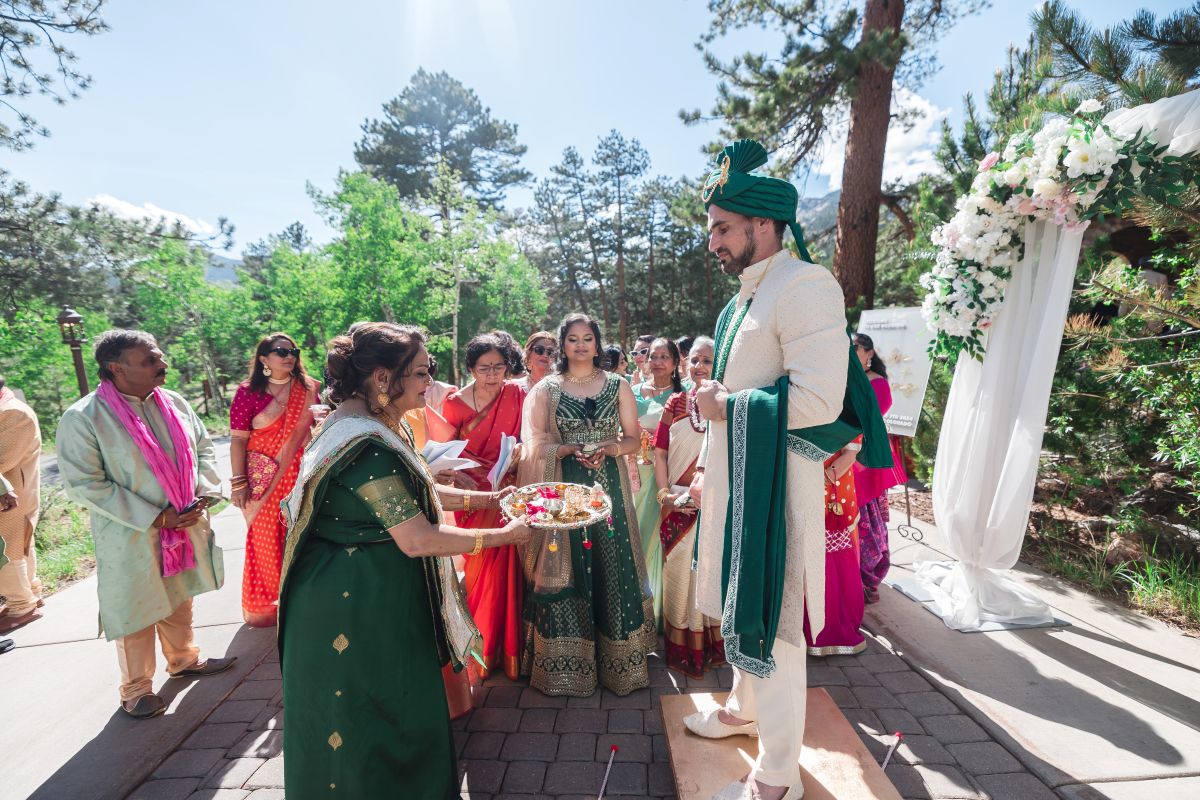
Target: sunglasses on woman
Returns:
[[641, 352], [544, 350], [284, 352]]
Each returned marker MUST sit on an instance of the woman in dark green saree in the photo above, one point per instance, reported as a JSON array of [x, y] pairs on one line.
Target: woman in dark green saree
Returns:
[[370, 607], [596, 625]]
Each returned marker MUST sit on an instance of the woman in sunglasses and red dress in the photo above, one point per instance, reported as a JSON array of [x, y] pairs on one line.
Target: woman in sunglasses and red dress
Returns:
[[269, 424]]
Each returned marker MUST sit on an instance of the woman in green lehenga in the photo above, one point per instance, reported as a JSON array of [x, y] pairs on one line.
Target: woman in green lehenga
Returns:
[[370, 607], [597, 625]]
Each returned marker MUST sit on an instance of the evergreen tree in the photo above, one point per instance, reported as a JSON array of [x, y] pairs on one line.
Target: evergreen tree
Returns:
[[836, 65], [437, 122]]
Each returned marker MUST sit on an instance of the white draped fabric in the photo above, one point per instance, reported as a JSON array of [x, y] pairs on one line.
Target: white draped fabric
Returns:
[[991, 438], [995, 416], [1173, 121]]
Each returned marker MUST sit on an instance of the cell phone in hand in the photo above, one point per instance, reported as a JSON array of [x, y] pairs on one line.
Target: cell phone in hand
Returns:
[[197, 504]]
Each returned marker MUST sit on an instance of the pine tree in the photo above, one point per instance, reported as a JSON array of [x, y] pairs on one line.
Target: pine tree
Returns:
[[835, 63], [437, 122]]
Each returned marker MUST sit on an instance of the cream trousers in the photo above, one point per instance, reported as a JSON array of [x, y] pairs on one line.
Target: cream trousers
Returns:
[[136, 656], [777, 704]]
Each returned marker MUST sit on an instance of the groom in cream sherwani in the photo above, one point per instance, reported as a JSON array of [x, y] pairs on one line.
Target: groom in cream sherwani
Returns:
[[794, 325]]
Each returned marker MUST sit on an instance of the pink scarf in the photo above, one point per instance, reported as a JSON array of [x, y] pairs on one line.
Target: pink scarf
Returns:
[[178, 477]]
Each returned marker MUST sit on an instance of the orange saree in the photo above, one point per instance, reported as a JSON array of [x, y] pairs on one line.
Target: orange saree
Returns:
[[494, 580], [280, 441]]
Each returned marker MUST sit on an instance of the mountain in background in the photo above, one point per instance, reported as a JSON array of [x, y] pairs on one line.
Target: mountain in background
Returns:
[[222, 269], [817, 214]]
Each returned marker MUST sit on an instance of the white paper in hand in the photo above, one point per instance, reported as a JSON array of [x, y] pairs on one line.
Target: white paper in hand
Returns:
[[442, 456], [508, 444]]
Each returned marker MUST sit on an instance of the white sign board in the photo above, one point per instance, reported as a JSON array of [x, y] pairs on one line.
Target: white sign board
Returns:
[[902, 340]]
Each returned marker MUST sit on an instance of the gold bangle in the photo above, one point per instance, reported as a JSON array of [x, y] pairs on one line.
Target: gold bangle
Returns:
[[467, 506], [478, 545], [662, 495]]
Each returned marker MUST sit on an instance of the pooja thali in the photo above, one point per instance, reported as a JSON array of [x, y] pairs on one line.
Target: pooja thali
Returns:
[[561, 506]]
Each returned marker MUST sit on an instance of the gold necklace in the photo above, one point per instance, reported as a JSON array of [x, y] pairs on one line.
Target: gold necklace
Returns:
[[398, 427], [590, 377], [279, 381], [655, 386]]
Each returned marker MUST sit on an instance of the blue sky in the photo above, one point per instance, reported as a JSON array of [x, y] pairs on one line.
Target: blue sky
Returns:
[[228, 107]]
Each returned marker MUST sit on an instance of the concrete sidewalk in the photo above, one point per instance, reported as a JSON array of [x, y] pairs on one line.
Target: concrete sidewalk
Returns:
[[62, 679], [1108, 707]]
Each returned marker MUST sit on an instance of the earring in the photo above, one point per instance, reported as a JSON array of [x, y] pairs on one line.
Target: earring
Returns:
[[266, 370], [383, 398]]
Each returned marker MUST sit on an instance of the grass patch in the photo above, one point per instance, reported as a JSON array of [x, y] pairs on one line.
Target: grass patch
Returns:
[[1165, 584], [65, 550]]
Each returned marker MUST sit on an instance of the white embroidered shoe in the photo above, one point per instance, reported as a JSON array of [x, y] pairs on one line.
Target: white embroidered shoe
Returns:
[[709, 725], [745, 791]]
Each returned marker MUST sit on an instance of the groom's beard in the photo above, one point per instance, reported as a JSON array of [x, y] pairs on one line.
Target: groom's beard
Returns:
[[736, 265]]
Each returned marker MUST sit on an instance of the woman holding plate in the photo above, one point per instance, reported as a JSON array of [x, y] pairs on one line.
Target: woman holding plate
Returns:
[[370, 607], [269, 424], [598, 624]]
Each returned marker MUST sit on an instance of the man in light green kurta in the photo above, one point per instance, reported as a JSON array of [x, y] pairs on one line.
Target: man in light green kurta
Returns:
[[103, 469]]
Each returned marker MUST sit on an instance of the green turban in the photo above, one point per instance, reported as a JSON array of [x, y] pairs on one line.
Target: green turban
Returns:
[[733, 188]]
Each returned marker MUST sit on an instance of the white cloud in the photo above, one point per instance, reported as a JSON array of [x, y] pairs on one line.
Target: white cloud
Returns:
[[909, 152], [151, 212]]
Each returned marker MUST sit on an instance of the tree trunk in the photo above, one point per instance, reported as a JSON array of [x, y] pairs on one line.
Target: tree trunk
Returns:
[[650, 277], [621, 299], [862, 174], [597, 272]]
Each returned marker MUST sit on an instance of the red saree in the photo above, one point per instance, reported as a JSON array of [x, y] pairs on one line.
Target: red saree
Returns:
[[282, 440], [494, 578]]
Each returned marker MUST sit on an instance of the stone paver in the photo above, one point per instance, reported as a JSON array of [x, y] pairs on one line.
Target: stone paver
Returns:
[[166, 789], [189, 764], [520, 743], [232, 773]]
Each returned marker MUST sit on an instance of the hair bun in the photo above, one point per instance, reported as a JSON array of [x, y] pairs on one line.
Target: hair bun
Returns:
[[341, 377]]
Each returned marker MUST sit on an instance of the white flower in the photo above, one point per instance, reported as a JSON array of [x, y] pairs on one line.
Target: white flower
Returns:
[[1089, 106], [1045, 188], [1081, 159]]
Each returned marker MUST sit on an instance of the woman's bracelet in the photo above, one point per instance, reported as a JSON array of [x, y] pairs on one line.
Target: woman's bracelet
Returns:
[[662, 495], [478, 545], [467, 507]]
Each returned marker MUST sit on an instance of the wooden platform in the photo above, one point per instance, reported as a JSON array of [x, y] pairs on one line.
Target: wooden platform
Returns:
[[834, 764]]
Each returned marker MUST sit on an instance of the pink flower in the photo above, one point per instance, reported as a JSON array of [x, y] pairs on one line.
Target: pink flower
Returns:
[[989, 161], [1026, 207]]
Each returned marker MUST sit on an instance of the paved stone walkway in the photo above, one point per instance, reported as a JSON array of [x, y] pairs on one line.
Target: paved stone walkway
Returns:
[[519, 743]]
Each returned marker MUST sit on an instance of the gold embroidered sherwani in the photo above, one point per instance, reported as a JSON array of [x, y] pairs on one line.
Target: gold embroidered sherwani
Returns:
[[20, 469], [103, 469]]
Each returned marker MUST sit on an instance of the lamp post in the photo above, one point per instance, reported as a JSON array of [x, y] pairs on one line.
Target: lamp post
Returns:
[[71, 325]]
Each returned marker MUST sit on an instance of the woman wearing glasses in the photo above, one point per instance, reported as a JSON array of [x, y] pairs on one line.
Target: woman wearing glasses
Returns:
[[640, 355], [269, 424], [596, 623], [482, 413], [541, 349]]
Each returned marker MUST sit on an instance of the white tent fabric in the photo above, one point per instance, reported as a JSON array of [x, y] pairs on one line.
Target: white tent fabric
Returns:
[[991, 436]]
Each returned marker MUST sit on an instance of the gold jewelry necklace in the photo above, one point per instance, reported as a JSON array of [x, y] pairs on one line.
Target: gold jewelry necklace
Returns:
[[654, 385], [279, 381], [591, 376], [398, 427]]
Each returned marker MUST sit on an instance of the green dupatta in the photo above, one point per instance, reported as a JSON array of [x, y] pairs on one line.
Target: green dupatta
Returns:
[[458, 638], [755, 536]]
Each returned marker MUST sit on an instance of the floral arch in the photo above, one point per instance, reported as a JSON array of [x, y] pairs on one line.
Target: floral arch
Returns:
[[997, 302]]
